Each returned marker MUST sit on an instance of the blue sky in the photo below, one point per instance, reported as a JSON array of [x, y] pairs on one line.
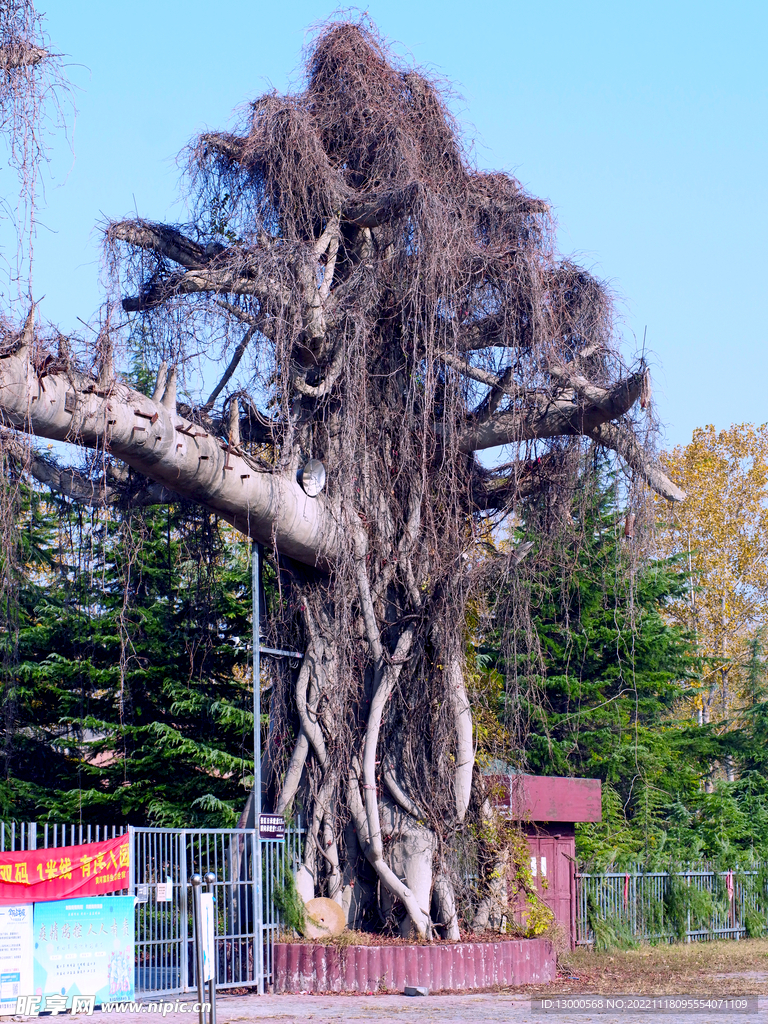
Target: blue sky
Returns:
[[643, 124]]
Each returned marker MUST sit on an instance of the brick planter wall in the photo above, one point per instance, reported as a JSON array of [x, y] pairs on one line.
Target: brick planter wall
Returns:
[[460, 967]]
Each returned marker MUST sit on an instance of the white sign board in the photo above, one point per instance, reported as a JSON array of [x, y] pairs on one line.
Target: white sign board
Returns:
[[16, 944], [272, 826], [164, 891], [207, 934]]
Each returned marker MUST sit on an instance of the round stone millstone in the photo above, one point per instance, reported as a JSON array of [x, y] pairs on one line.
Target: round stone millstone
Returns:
[[324, 918]]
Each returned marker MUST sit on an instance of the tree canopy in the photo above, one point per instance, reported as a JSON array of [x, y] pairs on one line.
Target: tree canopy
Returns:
[[721, 530]]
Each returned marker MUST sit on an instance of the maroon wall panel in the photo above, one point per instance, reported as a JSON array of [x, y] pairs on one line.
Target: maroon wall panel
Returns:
[[547, 798], [460, 967]]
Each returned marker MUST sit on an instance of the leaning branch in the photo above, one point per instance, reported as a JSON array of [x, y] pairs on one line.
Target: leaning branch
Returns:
[[162, 239], [233, 364], [588, 410], [20, 55], [209, 268], [83, 489], [225, 281], [622, 441], [556, 416], [171, 450]]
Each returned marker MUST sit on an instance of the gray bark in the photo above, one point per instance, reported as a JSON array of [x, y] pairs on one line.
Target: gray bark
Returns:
[[172, 451]]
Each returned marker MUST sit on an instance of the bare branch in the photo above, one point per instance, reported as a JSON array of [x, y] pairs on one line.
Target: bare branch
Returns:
[[20, 55], [233, 364], [83, 489], [398, 793], [209, 268], [225, 280], [162, 239], [230, 146], [623, 441], [476, 373], [330, 263], [553, 417], [110, 488], [162, 376]]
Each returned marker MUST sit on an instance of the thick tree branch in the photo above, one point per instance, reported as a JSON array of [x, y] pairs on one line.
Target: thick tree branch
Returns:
[[227, 281], [208, 268], [553, 417], [398, 794], [111, 488], [164, 240], [293, 774], [20, 55], [171, 451], [622, 441], [83, 489], [233, 147], [590, 412], [494, 380], [462, 717]]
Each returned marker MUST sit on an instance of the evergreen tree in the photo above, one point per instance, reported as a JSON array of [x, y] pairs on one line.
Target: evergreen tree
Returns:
[[605, 679], [132, 695]]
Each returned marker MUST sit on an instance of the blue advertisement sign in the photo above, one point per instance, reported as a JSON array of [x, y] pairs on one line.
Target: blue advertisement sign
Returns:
[[15, 955], [84, 947]]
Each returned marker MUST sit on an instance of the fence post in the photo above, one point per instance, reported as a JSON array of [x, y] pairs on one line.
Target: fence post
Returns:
[[197, 882], [688, 912], [210, 879], [258, 913], [258, 924], [131, 861], [181, 840]]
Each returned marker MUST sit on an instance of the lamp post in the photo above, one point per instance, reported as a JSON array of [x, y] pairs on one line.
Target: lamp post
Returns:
[[274, 652], [256, 620]]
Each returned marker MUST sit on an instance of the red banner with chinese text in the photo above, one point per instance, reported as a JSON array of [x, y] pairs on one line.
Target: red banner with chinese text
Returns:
[[57, 873]]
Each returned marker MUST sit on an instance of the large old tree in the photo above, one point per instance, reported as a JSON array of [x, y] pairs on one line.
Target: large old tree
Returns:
[[394, 313]]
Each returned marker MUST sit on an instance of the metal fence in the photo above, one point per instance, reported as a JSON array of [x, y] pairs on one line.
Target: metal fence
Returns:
[[694, 904], [32, 835], [245, 872], [244, 876]]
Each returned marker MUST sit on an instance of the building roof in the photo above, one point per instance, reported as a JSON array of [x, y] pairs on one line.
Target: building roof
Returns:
[[547, 797]]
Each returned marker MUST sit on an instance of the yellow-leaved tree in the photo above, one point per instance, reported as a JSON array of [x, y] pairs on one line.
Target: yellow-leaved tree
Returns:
[[722, 530]]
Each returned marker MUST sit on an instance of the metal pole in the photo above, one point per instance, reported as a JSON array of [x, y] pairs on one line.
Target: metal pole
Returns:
[[181, 847], [255, 593], [131, 863], [197, 918], [210, 878], [259, 922]]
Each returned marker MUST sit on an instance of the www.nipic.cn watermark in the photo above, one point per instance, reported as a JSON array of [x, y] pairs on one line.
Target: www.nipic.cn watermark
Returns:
[[33, 1006]]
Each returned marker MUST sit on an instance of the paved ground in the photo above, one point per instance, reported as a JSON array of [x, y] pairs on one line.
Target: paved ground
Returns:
[[467, 1009]]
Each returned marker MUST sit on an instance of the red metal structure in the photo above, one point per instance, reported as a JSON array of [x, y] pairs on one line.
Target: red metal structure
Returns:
[[548, 809]]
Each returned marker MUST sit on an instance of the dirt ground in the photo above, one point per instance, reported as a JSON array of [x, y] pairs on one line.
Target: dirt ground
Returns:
[[722, 968]]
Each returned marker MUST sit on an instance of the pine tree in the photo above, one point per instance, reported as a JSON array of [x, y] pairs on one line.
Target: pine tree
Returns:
[[605, 679], [132, 691]]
